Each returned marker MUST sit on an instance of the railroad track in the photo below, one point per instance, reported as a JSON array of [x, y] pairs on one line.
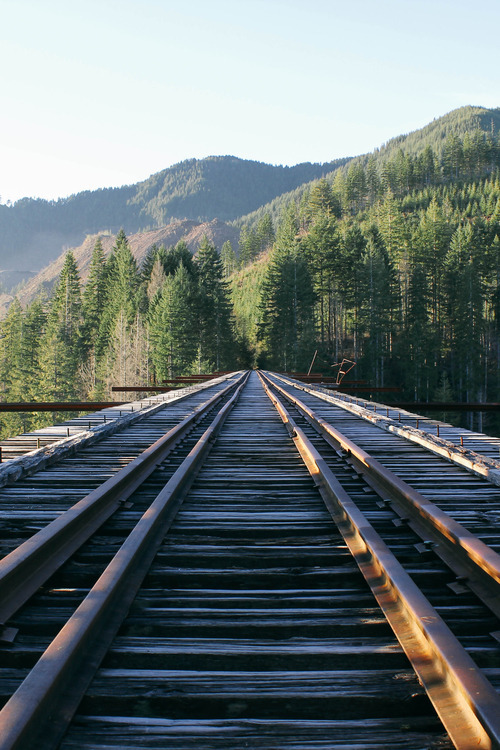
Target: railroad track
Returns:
[[247, 583], [73, 429]]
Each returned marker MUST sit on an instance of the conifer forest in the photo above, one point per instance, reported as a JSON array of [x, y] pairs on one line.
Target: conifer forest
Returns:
[[393, 263]]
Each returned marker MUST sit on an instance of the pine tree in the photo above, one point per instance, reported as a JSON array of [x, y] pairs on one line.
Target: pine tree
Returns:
[[126, 279], [249, 245], [355, 188], [10, 353], [34, 322], [286, 328], [378, 314], [12, 384], [228, 259], [351, 271], [173, 326], [322, 201], [465, 321], [265, 232], [418, 344], [152, 254], [61, 348], [431, 242], [94, 296], [126, 305], [174, 256], [216, 338], [321, 248]]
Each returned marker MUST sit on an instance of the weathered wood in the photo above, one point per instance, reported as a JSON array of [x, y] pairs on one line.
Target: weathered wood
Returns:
[[251, 610], [113, 733]]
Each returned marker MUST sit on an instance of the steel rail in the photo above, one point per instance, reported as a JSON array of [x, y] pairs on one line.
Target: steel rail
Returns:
[[38, 713], [464, 699], [40, 458], [476, 564], [483, 466], [27, 567]]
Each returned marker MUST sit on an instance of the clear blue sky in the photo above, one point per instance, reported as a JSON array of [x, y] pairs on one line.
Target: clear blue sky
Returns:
[[100, 93]]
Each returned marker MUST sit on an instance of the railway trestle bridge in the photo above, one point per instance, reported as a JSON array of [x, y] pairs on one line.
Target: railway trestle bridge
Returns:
[[250, 562]]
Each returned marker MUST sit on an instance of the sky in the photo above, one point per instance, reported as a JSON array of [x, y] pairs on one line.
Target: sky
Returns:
[[104, 93]]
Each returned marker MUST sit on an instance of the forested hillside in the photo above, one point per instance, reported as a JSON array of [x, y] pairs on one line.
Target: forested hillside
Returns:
[[129, 325], [436, 138], [191, 232], [392, 262], [395, 265], [34, 232]]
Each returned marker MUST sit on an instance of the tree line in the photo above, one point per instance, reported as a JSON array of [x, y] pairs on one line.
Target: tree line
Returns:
[[128, 325], [401, 275], [358, 185], [408, 287]]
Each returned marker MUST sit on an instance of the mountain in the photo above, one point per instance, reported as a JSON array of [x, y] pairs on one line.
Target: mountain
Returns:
[[434, 135], [33, 232], [192, 232], [457, 122]]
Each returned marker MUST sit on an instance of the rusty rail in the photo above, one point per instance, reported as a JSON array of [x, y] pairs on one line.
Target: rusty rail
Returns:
[[483, 466], [465, 701], [467, 555], [39, 712], [26, 568]]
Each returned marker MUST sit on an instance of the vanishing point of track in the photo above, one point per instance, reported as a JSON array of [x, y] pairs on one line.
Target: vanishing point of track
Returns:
[[255, 564]]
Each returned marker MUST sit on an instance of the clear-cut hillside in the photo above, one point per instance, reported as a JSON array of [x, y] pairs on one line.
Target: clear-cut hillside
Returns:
[[217, 232]]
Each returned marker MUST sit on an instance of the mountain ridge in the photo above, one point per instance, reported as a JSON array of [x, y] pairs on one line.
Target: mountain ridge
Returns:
[[434, 134], [191, 232], [34, 232]]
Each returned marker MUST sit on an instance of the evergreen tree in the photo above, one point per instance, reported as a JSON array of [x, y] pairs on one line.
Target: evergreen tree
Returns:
[[265, 232], [351, 270], [12, 384], [173, 329], [11, 353], [125, 280], [34, 322], [216, 338], [177, 255], [94, 296], [322, 201], [452, 156], [126, 299], [286, 328], [377, 316], [152, 255], [464, 312], [249, 245], [431, 245], [373, 184], [355, 188], [417, 342], [61, 346], [228, 259], [321, 248]]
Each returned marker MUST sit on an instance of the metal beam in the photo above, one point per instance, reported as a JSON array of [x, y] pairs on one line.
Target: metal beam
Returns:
[[142, 388], [445, 406], [87, 406]]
